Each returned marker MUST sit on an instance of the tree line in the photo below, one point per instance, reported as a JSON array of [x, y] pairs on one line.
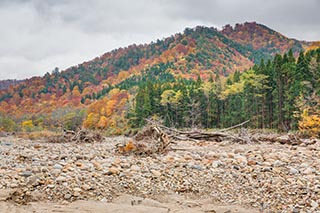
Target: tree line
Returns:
[[274, 94]]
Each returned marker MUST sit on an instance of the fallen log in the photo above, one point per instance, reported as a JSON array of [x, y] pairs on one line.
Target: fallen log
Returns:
[[235, 126], [198, 135]]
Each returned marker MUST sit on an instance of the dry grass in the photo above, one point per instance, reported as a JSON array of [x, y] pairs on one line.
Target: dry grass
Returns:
[[38, 135]]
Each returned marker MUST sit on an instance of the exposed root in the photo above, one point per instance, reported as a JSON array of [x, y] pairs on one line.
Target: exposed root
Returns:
[[150, 140]]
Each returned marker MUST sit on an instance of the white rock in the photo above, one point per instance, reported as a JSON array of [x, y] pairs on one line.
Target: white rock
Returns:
[[57, 166], [135, 168], [308, 171], [242, 160], [304, 165], [86, 187], [67, 196], [277, 163], [50, 186], [293, 171], [61, 179], [155, 173], [314, 204], [13, 185], [104, 199], [216, 164], [77, 189]]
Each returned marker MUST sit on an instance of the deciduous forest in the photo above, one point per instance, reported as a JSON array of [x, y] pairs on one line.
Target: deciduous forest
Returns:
[[203, 78]]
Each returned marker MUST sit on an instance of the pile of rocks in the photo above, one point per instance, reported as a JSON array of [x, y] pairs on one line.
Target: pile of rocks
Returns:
[[266, 176]]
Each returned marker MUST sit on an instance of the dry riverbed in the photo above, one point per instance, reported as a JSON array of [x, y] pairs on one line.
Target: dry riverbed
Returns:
[[191, 177]]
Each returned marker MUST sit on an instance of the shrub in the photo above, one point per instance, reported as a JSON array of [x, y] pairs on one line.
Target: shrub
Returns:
[[27, 125], [310, 124]]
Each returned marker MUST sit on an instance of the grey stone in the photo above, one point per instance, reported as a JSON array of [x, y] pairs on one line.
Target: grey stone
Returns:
[[61, 179], [216, 164], [67, 196], [57, 166], [308, 171], [277, 163], [197, 167], [295, 210], [50, 186], [135, 168], [26, 174], [155, 173], [6, 143], [266, 169], [293, 171], [314, 204]]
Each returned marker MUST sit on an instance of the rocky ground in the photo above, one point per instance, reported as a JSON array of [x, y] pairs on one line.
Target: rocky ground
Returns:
[[193, 177]]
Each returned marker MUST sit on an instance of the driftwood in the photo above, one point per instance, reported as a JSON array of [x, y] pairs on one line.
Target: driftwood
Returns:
[[80, 136], [156, 138], [235, 126], [242, 137], [198, 135], [150, 140]]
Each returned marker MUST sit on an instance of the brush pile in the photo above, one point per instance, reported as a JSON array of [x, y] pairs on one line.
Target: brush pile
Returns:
[[152, 139]]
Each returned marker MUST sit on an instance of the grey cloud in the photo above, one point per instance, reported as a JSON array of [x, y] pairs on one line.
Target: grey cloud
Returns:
[[287, 16], [42, 34]]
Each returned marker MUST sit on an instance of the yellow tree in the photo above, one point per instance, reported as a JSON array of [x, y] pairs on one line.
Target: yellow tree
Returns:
[[27, 125], [102, 124], [91, 121], [76, 92]]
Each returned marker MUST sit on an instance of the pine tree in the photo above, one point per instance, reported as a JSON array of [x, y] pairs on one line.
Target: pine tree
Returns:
[[278, 93]]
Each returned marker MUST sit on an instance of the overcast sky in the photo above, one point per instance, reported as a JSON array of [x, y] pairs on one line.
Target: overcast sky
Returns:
[[38, 35]]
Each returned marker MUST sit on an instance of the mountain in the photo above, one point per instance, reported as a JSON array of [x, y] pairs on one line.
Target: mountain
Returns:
[[261, 40], [200, 52]]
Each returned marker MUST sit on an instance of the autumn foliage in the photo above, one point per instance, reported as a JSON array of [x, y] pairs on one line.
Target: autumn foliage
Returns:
[[260, 37], [104, 92], [109, 112], [310, 124]]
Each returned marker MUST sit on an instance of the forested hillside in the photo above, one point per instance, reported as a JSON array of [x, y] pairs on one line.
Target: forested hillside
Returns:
[[279, 94], [202, 77], [266, 41]]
